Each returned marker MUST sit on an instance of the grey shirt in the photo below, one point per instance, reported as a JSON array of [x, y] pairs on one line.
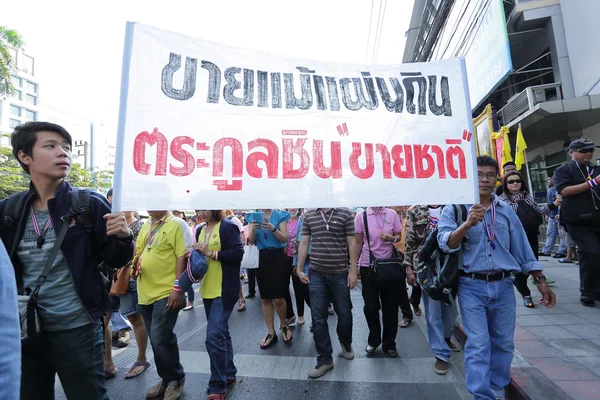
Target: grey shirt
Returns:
[[59, 305]]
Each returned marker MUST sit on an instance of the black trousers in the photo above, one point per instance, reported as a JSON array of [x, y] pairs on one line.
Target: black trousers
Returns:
[[384, 298], [252, 282], [587, 239], [405, 302], [301, 294], [520, 278]]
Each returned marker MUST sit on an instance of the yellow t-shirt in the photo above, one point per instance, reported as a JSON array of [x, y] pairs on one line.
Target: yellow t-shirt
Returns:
[[159, 259], [211, 285]]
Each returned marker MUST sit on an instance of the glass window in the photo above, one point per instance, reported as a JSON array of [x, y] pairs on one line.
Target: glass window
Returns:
[[18, 82], [13, 55], [14, 110], [18, 95], [13, 123], [27, 64], [30, 115], [31, 99], [32, 87]]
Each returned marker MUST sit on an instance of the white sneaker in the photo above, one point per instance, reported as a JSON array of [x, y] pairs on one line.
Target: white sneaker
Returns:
[[347, 351], [319, 370]]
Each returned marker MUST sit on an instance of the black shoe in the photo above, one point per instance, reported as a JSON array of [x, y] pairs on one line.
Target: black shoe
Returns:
[[370, 349], [392, 353], [587, 301], [250, 296], [542, 254], [559, 255]]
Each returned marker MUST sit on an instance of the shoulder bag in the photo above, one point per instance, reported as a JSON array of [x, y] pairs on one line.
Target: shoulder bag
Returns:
[[386, 269]]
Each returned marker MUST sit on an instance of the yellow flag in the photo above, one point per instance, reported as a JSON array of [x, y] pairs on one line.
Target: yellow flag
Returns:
[[506, 151], [520, 150]]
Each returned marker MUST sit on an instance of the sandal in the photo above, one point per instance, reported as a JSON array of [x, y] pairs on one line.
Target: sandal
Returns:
[[241, 306], [136, 369], [285, 330], [217, 396], [405, 323], [418, 311], [565, 261], [110, 374], [268, 341]]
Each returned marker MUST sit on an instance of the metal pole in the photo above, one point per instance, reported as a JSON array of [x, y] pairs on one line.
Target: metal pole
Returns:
[[526, 165]]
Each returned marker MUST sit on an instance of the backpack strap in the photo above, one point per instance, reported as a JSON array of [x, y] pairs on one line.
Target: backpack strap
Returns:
[[82, 211], [366, 224], [11, 217]]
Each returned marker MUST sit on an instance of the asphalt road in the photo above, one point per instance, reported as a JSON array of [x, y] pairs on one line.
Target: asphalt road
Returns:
[[282, 370]]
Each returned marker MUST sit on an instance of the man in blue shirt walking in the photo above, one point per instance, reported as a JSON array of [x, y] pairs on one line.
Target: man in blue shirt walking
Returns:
[[552, 230], [494, 245]]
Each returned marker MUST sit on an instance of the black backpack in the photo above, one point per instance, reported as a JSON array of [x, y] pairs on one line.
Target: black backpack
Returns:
[[438, 272], [80, 210]]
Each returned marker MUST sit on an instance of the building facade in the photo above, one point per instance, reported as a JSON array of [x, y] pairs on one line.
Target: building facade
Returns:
[[552, 89], [23, 106]]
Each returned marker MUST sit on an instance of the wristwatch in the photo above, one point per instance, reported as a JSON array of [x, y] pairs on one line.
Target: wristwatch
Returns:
[[274, 229], [396, 240], [539, 278]]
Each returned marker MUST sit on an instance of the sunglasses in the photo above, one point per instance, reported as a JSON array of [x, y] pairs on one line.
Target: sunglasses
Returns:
[[512, 182], [585, 151]]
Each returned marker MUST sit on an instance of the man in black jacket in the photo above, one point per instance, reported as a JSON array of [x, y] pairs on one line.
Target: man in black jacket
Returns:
[[577, 182], [73, 297]]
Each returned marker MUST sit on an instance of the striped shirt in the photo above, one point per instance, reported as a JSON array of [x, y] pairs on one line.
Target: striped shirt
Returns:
[[513, 202], [329, 253]]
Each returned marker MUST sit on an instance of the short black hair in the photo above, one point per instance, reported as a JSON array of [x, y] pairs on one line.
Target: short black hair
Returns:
[[506, 164], [487, 161], [109, 193], [24, 137]]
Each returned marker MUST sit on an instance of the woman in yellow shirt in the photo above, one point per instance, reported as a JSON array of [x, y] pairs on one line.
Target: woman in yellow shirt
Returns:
[[219, 240]]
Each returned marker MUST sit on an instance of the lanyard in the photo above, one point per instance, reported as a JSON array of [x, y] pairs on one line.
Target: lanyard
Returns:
[[491, 232], [153, 231], [209, 233], [326, 221], [590, 171], [36, 228], [378, 212]]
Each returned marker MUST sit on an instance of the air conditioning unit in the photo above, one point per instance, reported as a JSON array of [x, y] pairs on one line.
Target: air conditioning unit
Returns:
[[539, 96]]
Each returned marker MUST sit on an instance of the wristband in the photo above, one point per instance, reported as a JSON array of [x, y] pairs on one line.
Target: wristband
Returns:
[[410, 272], [592, 183], [176, 286]]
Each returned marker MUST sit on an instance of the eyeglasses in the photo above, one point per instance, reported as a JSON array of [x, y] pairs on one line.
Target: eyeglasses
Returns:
[[585, 151], [489, 176], [512, 182]]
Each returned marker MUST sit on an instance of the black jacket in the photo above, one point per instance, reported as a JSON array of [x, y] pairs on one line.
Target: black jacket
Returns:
[[584, 207], [89, 282]]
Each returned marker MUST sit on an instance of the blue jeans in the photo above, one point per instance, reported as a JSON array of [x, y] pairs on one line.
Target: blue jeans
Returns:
[[440, 323], [76, 355], [218, 345], [551, 236], [488, 315], [160, 324], [322, 289]]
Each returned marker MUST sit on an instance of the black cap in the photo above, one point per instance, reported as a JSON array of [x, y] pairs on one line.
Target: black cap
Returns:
[[581, 144]]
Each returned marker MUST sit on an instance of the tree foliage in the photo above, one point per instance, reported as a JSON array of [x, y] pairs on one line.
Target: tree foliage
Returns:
[[8, 37]]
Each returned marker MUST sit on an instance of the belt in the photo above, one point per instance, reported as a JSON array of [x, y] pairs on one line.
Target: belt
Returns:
[[490, 276]]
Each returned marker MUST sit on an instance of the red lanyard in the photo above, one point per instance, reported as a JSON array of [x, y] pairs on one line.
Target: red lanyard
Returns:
[[36, 228]]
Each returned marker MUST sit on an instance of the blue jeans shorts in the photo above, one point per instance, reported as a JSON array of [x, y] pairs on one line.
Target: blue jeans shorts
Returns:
[[129, 302]]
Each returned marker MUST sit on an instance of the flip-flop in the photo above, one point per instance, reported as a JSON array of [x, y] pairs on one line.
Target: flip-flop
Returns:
[[241, 306], [418, 311], [273, 340], [405, 323], [110, 374], [285, 331], [565, 261], [141, 367]]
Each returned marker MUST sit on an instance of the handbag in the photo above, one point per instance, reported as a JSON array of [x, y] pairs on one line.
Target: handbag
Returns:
[[250, 259], [386, 269], [120, 284], [31, 323]]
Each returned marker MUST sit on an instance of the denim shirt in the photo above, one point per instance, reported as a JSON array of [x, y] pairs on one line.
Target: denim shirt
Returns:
[[10, 333], [512, 250]]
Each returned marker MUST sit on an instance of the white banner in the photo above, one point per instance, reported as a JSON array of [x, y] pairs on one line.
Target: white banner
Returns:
[[207, 126]]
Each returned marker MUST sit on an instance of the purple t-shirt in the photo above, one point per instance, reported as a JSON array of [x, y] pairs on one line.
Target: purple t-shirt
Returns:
[[385, 220]]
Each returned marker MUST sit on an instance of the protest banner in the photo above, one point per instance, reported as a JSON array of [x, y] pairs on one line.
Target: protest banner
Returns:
[[208, 126]]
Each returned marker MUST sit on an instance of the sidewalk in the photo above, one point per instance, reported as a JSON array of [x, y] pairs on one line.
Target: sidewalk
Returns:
[[558, 350]]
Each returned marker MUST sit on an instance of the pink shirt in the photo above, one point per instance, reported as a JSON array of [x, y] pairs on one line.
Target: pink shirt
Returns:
[[292, 225], [385, 220]]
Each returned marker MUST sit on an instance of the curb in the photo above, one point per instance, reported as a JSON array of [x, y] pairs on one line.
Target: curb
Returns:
[[513, 390]]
